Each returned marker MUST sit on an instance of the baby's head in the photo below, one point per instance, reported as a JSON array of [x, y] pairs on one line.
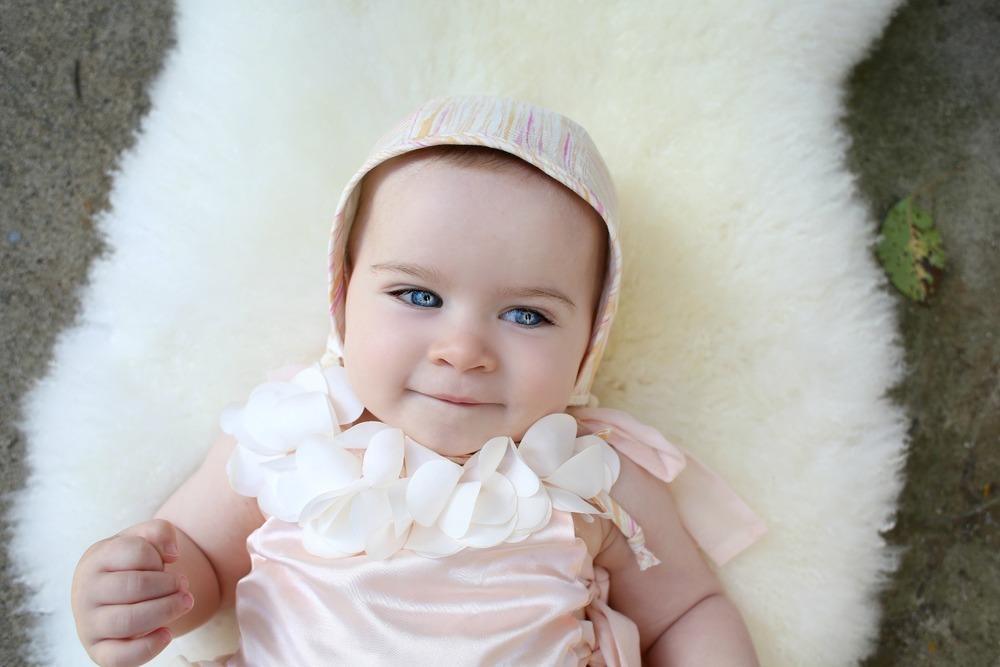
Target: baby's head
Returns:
[[474, 274], [474, 253]]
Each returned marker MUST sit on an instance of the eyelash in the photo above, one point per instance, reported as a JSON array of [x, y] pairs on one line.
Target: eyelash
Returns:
[[545, 321]]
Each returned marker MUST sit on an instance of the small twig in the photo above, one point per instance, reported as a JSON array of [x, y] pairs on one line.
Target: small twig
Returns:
[[977, 510]]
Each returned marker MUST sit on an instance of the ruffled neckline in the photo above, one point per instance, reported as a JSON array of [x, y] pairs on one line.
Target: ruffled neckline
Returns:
[[369, 488]]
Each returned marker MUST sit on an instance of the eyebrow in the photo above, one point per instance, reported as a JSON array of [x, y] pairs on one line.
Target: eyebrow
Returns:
[[433, 275]]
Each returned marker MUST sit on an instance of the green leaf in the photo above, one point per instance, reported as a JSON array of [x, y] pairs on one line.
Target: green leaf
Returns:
[[910, 249]]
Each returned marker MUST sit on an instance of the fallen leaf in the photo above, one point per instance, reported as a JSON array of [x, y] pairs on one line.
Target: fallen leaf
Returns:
[[910, 249]]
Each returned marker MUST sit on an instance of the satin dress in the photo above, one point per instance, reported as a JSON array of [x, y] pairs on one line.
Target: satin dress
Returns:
[[541, 601]]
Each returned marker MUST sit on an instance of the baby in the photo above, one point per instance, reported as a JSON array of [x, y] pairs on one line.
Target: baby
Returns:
[[442, 484]]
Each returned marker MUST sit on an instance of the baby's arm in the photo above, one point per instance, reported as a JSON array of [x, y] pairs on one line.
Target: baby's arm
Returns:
[[213, 522], [679, 606]]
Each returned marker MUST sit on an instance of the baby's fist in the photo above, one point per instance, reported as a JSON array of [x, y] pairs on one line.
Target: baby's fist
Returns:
[[122, 598]]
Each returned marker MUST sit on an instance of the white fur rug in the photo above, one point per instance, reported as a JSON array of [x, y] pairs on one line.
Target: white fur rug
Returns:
[[753, 328]]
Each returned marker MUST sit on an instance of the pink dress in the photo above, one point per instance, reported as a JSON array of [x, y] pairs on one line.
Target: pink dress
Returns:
[[541, 601]]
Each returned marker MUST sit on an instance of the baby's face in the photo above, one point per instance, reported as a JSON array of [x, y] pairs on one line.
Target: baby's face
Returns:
[[445, 296]]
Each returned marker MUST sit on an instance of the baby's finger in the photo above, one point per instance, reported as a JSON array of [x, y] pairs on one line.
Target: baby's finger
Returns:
[[160, 533], [127, 621], [128, 586], [128, 652], [128, 552]]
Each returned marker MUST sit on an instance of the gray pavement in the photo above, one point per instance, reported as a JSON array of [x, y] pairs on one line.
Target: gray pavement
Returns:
[[924, 108]]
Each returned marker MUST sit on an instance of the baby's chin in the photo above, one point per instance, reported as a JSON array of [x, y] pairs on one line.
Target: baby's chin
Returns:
[[447, 429]]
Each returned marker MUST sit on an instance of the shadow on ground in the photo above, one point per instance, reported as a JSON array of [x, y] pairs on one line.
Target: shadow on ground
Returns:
[[924, 111]]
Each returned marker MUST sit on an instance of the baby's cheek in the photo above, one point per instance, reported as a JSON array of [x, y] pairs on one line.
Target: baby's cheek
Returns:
[[545, 378]]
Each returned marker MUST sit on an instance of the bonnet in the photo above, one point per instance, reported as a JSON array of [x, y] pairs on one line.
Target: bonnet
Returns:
[[546, 139]]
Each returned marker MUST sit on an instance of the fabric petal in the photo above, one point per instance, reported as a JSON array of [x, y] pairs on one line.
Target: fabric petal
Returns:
[[397, 500], [370, 510], [429, 489], [417, 455], [345, 403], [336, 538], [359, 435], [526, 482], [533, 513], [277, 428], [492, 454], [583, 474], [323, 500], [430, 541], [497, 502], [457, 514], [383, 460], [383, 542], [569, 502], [324, 465], [482, 536], [548, 443], [245, 473]]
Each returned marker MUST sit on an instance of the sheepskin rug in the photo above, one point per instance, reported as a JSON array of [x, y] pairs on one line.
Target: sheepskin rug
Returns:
[[754, 327]]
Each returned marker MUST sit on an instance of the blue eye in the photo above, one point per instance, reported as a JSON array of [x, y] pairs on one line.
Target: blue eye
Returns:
[[533, 320], [424, 301]]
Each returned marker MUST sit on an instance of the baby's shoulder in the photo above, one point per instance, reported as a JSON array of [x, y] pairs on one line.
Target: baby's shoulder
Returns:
[[648, 501]]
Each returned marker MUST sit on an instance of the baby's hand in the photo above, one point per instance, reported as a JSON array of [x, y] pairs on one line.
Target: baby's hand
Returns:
[[122, 598]]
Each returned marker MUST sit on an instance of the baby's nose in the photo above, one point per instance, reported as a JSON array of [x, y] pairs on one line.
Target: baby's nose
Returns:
[[464, 350]]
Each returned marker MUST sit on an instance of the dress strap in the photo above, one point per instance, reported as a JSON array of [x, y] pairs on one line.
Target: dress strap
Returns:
[[630, 529], [716, 517]]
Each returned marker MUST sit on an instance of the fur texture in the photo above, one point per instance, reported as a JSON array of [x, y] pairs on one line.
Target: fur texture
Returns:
[[754, 328]]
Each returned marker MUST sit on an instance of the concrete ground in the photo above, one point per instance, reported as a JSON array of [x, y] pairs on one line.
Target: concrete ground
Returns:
[[923, 109]]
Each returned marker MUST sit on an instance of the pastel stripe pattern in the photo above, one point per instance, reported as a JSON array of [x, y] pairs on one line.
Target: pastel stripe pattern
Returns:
[[546, 139]]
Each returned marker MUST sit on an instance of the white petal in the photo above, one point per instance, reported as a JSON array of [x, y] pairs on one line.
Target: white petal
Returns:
[[533, 513], [336, 537], [359, 435], [457, 514], [260, 432], [278, 464], [310, 378], [273, 502], [384, 457], [292, 495], [319, 545], [429, 489], [245, 473], [484, 462], [417, 455], [369, 511], [548, 443], [397, 499], [230, 416], [497, 502], [324, 465], [278, 428], [345, 402], [482, 536], [526, 482], [583, 474], [323, 500], [569, 502], [430, 541], [491, 454], [585, 441], [612, 465], [324, 520], [383, 542]]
